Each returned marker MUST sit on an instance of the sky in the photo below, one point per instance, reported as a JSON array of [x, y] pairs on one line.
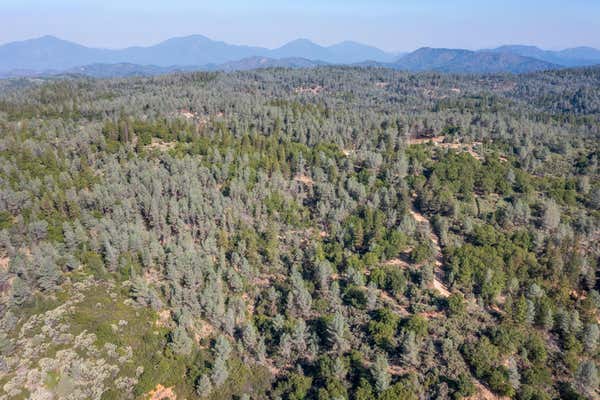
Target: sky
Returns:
[[392, 25]]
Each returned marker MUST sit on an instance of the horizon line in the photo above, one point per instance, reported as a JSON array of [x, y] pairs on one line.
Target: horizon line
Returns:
[[391, 52]]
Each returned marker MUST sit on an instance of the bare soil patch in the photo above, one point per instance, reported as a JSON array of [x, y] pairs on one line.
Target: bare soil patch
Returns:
[[162, 393], [304, 179], [160, 145], [309, 89], [483, 393]]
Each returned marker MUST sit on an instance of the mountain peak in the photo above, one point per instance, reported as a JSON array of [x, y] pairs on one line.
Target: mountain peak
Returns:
[[189, 39], [46, 39], [300, 43]]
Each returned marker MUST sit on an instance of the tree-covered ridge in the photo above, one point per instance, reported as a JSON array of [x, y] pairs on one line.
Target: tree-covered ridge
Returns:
[[328, 233]]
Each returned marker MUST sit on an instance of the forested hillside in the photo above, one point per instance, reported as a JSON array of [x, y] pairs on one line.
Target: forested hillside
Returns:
[[326, 233]]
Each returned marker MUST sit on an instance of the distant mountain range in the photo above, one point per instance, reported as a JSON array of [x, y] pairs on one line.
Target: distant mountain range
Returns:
[[49, 55], [465, 61], [574, 57]]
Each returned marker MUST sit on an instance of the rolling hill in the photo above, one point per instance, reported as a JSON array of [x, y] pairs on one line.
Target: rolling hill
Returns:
[[575, 57], [466, 61]]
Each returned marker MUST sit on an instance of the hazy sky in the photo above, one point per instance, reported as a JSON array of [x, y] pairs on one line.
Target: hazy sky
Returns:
[[388, 24]]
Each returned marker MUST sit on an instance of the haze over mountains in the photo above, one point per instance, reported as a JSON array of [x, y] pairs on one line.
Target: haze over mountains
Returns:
[[50, 55], [466, 61]]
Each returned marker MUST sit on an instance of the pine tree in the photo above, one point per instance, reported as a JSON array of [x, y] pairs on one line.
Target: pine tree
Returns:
[[299, 336], [70, 237], [21, 293], [379, 371], [336, 331], [591, 335], [6, 345], [324, 272], [514, 378], [204, 386], [358, 235], [372, 296], [261, 351], [285, 346], [181, 343], [551, 217], [301, 296], [410, 348], [219, 372], [339, 369], [222, 348], [586, 379], [249, 337]]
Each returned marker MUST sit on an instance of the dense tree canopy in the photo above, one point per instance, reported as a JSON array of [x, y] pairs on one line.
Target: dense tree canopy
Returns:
[[330, 233]]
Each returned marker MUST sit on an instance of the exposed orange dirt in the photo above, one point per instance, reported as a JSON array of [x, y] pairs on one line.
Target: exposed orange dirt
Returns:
[[162, 393]]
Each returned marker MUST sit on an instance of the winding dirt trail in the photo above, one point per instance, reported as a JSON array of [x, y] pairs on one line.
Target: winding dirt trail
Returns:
[[438, 276], [483, 392]]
